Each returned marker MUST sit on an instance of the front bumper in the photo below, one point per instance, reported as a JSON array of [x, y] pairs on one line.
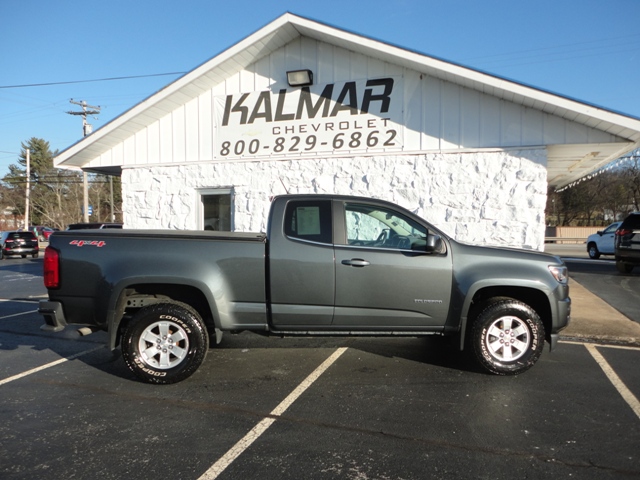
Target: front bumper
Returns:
[[563, 319], [53, 316]]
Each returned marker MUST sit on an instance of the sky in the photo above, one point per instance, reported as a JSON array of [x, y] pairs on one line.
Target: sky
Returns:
[[116, 53]]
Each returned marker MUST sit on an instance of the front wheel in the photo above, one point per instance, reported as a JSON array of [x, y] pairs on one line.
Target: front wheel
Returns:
[[164, 343], [592, 249], [507, 337]]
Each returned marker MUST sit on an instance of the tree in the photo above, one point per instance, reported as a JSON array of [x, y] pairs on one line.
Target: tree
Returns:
[[608, 195], [631, 178], [56, 195], [100, 197], [40, 162]]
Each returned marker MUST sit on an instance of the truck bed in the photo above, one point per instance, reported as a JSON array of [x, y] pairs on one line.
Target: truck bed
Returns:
[[98, 259]]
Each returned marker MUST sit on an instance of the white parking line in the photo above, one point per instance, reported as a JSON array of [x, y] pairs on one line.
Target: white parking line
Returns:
[[48, 365], [619, 347], [614, 379], [235, 451], [18, 314]]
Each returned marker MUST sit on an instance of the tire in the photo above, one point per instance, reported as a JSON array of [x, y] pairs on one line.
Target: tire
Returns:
[[592, 249], [524, 333], [164, 343], [623, 267], [23, 256], [34, 255]]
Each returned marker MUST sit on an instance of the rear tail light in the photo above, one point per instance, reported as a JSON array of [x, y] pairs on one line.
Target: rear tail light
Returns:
[[51, 268], [623, 231]]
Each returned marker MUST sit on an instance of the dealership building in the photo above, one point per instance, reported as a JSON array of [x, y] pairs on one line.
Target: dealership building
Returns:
[[302, 107]]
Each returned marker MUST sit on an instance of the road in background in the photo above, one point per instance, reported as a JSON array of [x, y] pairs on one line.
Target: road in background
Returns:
[[621, 291]]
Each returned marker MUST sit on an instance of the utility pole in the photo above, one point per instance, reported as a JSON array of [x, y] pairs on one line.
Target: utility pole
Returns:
[[86, 130], [26, 207]]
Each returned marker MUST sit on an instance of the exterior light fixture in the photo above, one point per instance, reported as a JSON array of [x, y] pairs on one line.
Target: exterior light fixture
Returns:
[[300, 78]]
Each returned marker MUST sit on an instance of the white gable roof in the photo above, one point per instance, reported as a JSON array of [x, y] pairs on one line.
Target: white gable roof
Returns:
[[566, 163]]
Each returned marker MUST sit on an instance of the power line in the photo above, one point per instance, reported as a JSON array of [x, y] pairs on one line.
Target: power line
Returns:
[[598, 45], [89, 81]]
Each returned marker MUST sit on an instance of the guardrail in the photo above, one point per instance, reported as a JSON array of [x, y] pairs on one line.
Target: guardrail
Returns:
[[565, 240]]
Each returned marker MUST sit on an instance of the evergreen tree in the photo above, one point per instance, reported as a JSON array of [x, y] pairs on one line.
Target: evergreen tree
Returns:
[[56, 195]]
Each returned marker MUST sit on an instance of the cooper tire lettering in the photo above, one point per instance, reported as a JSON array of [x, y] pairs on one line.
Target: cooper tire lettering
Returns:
[[164, 343], [506, 337]]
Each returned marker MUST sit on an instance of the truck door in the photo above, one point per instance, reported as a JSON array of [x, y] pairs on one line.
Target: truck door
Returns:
[[301, 265], [383, 278]]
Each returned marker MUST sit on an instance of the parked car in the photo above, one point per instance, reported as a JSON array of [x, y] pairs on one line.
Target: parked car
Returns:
[[602, 242], [87, 226], [627, 246], [18, 243], [43, 233]]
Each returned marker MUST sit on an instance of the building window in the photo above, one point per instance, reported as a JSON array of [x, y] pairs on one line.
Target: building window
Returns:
[[216, 210]]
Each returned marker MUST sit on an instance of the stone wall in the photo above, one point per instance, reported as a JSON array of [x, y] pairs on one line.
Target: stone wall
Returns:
[[486, 197]]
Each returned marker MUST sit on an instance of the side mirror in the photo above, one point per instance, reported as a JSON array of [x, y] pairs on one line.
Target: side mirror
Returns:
[[434, 243]]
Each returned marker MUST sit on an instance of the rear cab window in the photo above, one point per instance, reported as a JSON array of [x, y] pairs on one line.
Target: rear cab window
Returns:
[[309, 220]]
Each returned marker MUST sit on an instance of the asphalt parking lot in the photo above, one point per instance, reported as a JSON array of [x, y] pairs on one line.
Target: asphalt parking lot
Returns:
[[383, 408]]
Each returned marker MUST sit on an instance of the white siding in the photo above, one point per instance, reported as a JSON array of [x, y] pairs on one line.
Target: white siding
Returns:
[[437, 115]]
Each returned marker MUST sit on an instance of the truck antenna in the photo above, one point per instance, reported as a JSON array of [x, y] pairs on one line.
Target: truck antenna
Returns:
[[283, 185]]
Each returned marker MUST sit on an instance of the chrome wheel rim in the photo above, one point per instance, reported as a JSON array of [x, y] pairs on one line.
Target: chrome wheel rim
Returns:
[[508, 338], [163, 345]]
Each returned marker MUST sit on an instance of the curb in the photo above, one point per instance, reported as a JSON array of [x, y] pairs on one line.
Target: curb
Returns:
[[594, 320]]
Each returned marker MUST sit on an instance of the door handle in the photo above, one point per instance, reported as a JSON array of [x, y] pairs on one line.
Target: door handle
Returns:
[[356, 262]]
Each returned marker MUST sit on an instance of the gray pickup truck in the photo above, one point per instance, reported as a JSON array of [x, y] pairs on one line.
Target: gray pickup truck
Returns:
[[328, 265]]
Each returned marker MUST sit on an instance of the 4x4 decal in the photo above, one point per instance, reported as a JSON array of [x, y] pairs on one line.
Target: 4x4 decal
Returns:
[[85, 243]]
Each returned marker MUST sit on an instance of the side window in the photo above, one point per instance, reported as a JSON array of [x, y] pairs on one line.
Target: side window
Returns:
[[373, 226], [611, 229], [309, 220]]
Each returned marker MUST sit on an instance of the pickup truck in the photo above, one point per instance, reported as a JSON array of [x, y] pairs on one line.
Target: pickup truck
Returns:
[[328, 265]]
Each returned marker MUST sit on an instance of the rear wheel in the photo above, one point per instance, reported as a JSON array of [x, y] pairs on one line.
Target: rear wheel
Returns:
[[507, 337], [164, 343]]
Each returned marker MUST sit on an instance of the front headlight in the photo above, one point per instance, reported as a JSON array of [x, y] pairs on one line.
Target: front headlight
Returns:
[[561, 274]]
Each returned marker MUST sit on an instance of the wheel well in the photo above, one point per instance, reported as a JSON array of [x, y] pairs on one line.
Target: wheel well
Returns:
[[136, 297], [536, 299]]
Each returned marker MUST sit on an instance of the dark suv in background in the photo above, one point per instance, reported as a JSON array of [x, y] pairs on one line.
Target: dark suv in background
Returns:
[[92, 226], [18, 243], [627, 243]]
